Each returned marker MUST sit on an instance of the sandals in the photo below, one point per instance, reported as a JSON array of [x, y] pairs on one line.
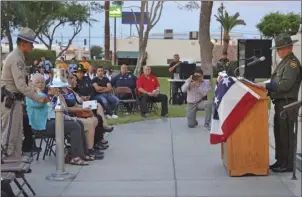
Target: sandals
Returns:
[[103, 141], [89, 158], [78, 162]]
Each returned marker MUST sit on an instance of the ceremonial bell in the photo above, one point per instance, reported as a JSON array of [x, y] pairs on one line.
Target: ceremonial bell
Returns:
[[59, 81], [59, 78]]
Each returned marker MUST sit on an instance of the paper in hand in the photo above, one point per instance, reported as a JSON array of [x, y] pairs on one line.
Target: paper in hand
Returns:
[[90, 104]]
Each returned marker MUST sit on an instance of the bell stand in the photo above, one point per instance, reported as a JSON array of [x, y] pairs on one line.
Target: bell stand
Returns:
[[60, 174]]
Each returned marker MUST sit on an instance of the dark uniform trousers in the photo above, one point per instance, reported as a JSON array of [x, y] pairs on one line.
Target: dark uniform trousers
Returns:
[[284, 134], [162, 98]]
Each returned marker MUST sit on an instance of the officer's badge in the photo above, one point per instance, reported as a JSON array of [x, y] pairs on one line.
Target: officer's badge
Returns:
[[293, 64]]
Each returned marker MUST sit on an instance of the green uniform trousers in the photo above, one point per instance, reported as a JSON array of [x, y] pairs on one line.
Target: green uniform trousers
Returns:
[[12, 129], [284, 134]]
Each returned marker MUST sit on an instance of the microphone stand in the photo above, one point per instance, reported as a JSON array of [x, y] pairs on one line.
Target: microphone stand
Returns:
[[291, 111]]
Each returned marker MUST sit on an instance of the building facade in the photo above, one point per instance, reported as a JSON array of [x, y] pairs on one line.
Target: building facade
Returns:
[[161, 51]]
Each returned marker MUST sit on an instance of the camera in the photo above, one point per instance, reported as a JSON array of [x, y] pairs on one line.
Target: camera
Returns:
[[195, 78]]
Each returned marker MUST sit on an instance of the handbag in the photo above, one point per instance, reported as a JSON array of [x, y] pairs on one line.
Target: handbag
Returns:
[[83, 114]]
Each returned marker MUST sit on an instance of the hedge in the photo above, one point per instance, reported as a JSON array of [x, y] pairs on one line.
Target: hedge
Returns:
[[160, 71], [36, 54]]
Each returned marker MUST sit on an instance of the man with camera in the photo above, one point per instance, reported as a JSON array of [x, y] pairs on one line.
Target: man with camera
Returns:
[[197, 90]]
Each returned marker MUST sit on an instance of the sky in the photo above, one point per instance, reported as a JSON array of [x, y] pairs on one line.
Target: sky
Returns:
[[183, 21]]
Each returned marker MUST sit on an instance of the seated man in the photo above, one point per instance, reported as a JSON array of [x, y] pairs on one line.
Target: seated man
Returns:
[[85, 91], [102, 93], [197, 90], [148, 89], [125, 79]]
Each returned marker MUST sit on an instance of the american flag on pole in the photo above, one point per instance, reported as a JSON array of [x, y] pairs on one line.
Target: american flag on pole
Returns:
[[233, 101]]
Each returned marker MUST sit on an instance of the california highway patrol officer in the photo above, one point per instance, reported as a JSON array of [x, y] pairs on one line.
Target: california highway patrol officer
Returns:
[[283, 89], [13, 90]]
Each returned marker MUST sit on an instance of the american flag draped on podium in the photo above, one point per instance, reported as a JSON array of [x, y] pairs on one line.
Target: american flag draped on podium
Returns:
[[233, 101]]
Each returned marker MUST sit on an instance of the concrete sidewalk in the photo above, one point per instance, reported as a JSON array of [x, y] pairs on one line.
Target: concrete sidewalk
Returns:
[[160, 158]]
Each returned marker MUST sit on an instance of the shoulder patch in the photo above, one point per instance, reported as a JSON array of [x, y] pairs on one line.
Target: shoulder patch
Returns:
[[20, 65], [293, 64]]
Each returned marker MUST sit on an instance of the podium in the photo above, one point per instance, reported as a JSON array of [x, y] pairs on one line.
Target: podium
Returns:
[[246, 151]]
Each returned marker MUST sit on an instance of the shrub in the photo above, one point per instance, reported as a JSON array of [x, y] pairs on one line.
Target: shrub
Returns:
[[96, 63], [36, 54]]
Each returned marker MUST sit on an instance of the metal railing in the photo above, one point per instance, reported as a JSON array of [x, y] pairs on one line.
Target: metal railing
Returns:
[[291, 111]]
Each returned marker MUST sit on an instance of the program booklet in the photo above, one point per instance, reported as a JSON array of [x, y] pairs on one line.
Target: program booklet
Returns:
[[92, 104]]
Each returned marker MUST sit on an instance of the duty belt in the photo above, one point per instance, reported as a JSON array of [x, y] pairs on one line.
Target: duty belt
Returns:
[[15, 95]]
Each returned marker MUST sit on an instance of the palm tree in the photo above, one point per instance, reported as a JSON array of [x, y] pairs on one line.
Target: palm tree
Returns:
[[228, 22]]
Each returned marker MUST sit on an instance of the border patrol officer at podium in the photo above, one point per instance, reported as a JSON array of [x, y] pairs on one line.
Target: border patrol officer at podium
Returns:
[[283, 90], [13, 91]]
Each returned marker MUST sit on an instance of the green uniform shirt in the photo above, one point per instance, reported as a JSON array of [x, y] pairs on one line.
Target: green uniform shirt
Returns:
[[287, 76]]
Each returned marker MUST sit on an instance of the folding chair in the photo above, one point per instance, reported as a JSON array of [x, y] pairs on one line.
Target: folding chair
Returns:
[[49, 141], [152, 106], [6, 179], [11, 159], [19, 169], [132, 101]]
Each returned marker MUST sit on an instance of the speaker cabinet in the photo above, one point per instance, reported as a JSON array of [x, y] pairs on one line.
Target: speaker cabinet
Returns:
[[255, 47]]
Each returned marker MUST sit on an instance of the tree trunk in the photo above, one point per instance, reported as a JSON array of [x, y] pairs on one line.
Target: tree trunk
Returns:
[[226, 40], [107, 30], [141, 42], [9, 39], [206, 46]]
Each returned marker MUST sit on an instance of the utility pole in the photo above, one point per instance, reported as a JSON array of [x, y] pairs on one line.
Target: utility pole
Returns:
[[89, 27], [220, 12], [114, 47]]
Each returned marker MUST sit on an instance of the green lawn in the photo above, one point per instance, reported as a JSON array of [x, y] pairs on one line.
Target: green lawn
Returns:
[[174, 110]]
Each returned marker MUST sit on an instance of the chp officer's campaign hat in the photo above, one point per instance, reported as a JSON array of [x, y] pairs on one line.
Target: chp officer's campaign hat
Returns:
[[27, 34], [80, 67], [283, 40]]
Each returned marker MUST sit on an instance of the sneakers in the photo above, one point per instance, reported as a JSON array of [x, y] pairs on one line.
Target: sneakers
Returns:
[[112, 116], [207, 126]]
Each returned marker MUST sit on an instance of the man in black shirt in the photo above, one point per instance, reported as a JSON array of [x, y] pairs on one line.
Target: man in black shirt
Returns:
[[85, 91], [102, 93], [174, 68]]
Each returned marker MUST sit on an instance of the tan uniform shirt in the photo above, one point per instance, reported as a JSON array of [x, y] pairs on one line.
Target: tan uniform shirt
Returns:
[[13, 75]]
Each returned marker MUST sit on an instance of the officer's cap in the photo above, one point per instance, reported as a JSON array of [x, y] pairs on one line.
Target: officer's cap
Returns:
[[283, 40], [27, 34]]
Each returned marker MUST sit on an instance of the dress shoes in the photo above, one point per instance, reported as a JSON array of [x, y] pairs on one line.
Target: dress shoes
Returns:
[[108, 129], [275, 165], [282, 168]]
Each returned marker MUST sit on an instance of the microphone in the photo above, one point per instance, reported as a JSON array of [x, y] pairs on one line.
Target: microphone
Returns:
[[249, 59], [256, 61]]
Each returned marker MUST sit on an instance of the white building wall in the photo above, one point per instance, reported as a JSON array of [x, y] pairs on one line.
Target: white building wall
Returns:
[[159, 50]]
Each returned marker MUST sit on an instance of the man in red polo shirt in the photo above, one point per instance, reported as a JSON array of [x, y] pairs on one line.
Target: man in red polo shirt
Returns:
[[148, 90]]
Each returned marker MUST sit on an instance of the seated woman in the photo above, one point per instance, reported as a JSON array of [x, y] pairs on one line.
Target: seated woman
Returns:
[[70, 99], [38, 114]]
